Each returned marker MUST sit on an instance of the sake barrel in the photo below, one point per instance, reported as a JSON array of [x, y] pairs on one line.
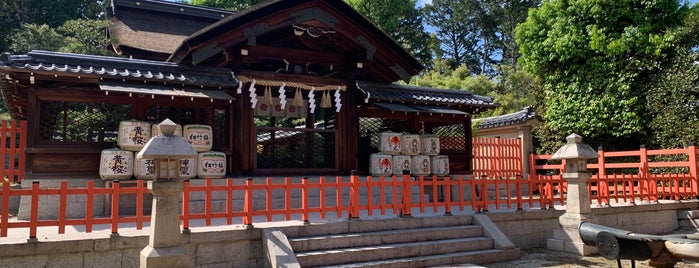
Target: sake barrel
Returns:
[[421, 165], [116, 164], [440, 165], [211, 165], [145, 169], [400, 163], [430, 144], [381, 164], [155, 130], [133, 134], [410, 144], [389, 142], [199, 136]]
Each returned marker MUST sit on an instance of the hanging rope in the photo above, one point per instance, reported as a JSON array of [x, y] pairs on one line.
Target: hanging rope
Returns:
[[274, 83]]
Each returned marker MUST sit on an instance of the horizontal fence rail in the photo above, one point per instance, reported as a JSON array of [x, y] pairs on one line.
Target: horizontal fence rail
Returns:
[[253, 201]]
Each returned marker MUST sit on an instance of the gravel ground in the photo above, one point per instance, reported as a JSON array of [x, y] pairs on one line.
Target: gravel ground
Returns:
[[538, 257]]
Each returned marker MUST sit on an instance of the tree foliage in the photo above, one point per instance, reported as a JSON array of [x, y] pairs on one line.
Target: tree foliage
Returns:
[[401, 21], [674, 102], [595, 59], [74, 36], [15, 13], [477, 33]]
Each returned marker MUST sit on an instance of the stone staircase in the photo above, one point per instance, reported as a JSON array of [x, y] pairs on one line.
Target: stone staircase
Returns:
[[402, 242]]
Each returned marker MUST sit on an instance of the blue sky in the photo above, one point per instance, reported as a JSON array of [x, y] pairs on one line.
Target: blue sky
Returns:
[[423, 2]]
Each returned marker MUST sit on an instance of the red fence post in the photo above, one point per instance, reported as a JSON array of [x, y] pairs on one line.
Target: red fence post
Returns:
[[115, 207], [304, 200], [602, 181], [354, 195], [90, 198], [642, 173], [5, 210], [62, 207], [447, 196], [34, 211], [185, 205], [248, 209], [694, 177], [407, 206]]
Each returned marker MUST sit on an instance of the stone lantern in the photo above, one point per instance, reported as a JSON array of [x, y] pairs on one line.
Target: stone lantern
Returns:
[[578, 210], [165, 245]]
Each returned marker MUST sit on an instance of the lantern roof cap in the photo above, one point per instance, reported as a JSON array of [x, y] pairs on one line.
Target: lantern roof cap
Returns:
[[575, 149], [168, 145]]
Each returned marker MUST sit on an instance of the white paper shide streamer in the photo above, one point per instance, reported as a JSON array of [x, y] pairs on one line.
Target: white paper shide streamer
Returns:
[[312, 100], [253, 95], [282, 96], [338, 101]]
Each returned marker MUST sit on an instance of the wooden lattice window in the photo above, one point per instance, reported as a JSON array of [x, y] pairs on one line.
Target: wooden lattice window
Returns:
[[451, 137], [80, 122], [286, 143]]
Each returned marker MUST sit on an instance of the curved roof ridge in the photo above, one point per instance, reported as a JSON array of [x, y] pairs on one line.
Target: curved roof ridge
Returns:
[[520, 116]]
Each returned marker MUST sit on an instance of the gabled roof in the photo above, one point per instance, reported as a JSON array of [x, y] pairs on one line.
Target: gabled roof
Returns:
[[327, 33], [518, 117], [149, 29], [387, 93]]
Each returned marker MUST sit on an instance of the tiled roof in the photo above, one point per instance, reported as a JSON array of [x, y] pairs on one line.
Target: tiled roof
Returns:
[[422, 95], [116, 68], [524, 115]]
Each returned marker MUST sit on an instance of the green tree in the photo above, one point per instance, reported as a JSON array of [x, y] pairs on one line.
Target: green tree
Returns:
[[74, 36], [15, 13], [31, 36], [85, 37], [674, 99], [478, 33], [595, 59], [401, 21]]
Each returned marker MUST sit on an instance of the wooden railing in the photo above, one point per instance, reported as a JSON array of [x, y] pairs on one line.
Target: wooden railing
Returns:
[[249, 201], [631, 176]]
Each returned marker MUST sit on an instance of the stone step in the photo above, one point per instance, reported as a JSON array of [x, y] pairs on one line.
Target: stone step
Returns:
[[392, 251], [437, 260], [377, 225], [304, 244]]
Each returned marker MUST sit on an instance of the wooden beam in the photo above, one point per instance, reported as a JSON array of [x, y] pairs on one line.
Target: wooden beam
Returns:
[[296, 55]]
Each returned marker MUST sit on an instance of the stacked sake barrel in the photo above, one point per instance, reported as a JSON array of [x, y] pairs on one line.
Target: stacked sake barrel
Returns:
[[418, 154], [210, 164], [120, 164]]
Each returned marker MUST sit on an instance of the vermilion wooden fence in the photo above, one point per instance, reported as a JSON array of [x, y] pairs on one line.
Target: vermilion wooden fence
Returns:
[[497, 158], [12, 149], [631, 176], [618, 177], [339, 197]]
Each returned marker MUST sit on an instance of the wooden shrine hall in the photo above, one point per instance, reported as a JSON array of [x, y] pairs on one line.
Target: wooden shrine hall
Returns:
[[287, 87]]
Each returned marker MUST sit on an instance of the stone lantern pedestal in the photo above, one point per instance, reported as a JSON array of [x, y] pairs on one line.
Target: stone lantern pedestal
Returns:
[[566, 237], [166, 244]]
